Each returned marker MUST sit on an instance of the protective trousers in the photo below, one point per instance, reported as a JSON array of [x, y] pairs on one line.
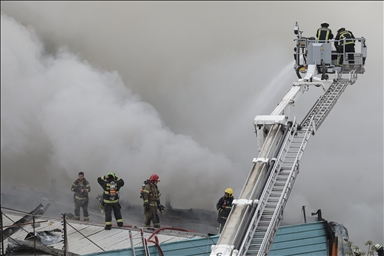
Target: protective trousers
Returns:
[[108, 214], [83, 203], [151, 215], [350, 49], [221, 222]]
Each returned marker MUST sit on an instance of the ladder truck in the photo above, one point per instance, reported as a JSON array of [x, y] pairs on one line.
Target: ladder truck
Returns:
[[257, 212]]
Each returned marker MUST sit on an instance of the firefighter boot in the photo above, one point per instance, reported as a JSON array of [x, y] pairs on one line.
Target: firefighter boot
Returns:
[[108, 227]]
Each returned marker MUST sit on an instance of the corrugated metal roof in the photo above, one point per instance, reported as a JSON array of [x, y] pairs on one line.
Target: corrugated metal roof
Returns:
[[302, 239], [90, 238]]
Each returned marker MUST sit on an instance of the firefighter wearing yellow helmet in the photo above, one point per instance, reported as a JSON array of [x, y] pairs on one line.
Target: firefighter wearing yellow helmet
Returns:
[[224, 206]]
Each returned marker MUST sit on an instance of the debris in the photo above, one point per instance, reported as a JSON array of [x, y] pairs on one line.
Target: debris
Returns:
[[39, 210]]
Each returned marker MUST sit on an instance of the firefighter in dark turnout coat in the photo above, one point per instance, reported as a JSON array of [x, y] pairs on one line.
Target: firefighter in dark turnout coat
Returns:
[[111, 185], [81, 188], [345, 40], [323, 34], [224, 206], [379, 249]]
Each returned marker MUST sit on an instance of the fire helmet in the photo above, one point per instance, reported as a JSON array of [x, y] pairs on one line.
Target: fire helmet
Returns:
[[111, 174], [154, 177], [229, 191], [324, 24], [377, 247], [341, 29]]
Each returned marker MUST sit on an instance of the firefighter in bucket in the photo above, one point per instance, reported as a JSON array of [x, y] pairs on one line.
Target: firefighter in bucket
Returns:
[[111, 185]]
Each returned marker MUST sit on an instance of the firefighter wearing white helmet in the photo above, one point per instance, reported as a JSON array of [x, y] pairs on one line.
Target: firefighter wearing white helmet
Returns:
[[224, 206], [323, 34], [379, 249]]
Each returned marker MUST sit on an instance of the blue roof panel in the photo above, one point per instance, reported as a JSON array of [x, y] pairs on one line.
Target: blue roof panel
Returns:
[[296, 240], [303, 239]]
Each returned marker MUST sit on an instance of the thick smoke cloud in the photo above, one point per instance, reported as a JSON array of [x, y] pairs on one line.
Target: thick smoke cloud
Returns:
[[172, 88], [90, 121]]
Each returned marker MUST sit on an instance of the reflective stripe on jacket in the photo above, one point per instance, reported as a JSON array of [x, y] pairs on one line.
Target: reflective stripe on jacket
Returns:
[[324, 34], [151, 194], [224, 206], [106, 185], [77, 185], [348, 38]]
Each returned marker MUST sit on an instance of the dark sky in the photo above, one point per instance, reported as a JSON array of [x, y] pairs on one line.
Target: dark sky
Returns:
[[173, 88]]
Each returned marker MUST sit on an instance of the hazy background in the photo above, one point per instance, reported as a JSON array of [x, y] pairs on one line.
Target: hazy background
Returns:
[[173, 88]]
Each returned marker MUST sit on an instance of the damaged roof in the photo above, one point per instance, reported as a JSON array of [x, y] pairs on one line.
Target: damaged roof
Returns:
[[91, 238]]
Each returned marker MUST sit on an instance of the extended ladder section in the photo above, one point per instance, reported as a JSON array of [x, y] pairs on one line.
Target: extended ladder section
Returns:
[[256, 214], [325, 103], [269, 211], [262, 209]]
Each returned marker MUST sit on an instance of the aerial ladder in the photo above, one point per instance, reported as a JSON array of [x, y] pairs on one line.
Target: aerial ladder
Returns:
[[257, 212]]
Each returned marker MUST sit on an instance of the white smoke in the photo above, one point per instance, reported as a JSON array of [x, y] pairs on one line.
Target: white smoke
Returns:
[[202, 72], [90, 121]]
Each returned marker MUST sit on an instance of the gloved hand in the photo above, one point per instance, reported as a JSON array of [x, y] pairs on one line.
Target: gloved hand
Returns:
[[147, 207], [161, 209]]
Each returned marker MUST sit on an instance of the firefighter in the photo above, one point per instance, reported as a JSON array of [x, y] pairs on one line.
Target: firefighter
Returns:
[[111, 185], [81, 188], [324, 33], [345, 41], [224, 206], [151, 202], [379, 249]]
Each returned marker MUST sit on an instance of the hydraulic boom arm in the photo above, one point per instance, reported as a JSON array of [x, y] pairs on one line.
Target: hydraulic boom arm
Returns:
[[257, 212]]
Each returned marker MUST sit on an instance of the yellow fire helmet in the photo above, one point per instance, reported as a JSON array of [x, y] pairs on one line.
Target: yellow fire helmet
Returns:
[[229, 191]]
